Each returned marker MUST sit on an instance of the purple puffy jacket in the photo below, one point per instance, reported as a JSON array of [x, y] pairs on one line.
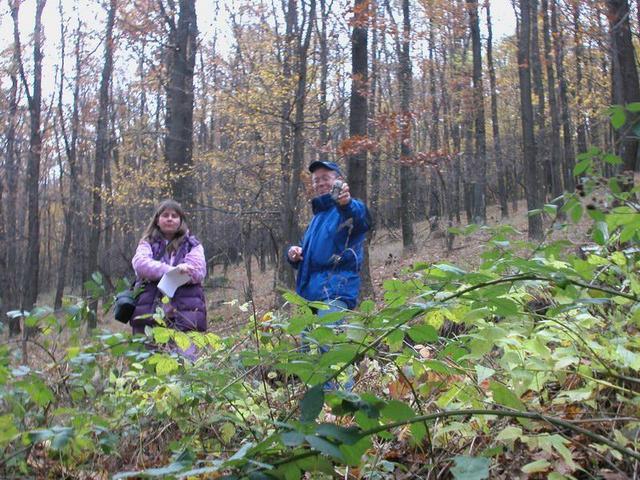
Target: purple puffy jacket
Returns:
[[187, 310]]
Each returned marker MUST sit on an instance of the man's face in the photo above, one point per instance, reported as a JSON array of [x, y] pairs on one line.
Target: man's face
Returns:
[[322, 180]]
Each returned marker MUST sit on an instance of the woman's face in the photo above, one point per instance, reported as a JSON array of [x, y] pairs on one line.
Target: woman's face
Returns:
[[169, 222]]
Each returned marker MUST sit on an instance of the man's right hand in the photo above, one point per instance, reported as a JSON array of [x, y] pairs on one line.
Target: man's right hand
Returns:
[[295, 253]]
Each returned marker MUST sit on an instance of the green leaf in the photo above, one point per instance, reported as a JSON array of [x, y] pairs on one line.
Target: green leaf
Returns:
[[470, 468], [294, 298], [536, 467], [600, 233], [419, 431], [397, 411], [575, 212], [37, 436], [597, 215], [242, 453], [633, 107], [483, 373], [8, 429], [37, 390], [325, 447], [292, 439], [439, 367], [612, 159], [503, 396], [97, 277], [316, 464], [367, 306], [162, 335], [395, 339], [182, 340], [166, 365], [353, 453], [311, 404], [581, 167], [450, 269], [348, 436], [504, 307], [423, 334], [62, 436], [618, 116], [227, 431]]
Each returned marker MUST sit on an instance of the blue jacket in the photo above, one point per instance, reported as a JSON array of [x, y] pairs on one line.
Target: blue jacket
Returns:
[[332, 252]]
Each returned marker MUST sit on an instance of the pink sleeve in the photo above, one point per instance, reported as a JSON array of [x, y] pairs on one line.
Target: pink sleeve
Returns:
[[145, 266], [195, 258]]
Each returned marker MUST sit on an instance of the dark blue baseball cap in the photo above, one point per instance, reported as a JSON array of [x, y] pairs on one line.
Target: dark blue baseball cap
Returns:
[[328, 165]]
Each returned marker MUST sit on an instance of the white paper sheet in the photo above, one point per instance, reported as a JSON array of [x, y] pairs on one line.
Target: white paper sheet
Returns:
[[171, 280]]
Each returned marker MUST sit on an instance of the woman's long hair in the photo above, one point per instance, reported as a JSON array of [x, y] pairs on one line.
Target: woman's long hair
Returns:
[[153, 233]]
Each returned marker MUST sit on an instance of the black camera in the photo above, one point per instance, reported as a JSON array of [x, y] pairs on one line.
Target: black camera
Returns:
[[125, 304], [336, 189]]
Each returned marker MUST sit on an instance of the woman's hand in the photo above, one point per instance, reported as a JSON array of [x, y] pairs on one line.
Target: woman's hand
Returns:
[[185, 268]]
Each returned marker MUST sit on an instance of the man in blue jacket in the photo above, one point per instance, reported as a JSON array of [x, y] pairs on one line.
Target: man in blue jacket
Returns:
[[331, 254]]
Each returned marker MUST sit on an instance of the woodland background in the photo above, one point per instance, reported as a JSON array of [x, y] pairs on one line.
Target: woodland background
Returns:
[[432, 117], [519, 362]]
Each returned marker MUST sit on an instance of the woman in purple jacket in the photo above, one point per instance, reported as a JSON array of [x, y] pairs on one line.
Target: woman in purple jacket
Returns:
[[165, 244]]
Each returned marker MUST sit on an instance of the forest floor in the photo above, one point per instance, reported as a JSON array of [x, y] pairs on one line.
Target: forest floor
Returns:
[[387, 260]]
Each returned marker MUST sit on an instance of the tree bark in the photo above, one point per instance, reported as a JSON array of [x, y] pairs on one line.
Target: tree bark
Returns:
[[10, 297], [34, 99], [539, 113], [102, 155], [406, 150], [323, 128], [497, 147], [479, 172], [70, 144], [581, 128], [373, 108], [357, 161], [179, 113], [434, 143], [626, 87], [568, 150], [556, 149], [285, 273], [526, 106]]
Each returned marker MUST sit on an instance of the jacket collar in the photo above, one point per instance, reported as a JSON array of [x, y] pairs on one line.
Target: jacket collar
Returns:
[[322, 203]]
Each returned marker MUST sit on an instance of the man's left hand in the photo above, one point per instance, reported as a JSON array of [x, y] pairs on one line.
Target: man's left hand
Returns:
[[345, 196]]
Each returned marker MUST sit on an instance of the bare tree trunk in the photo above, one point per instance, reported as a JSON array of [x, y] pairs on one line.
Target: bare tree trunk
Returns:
[[285, 273], [297, 158], [626, 87], [102, 154], [73, 204], [434, 144], [478, 193], [497, 147], [179, 114], [10, 300], [406, 151], [581, 128], [357, 162], [569, 153], [528, 140], [32, 258], [556, 150], [374, 100], [539, 113], [323, 128]]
